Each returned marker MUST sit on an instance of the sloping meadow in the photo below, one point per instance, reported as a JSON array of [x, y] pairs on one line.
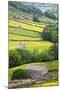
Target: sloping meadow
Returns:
[[33, 40]]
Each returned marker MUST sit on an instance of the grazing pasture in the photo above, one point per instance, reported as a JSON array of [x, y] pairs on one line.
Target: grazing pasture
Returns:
[[33, 41], [29, 34]]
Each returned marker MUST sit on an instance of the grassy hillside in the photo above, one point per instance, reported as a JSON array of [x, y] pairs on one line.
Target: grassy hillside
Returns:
[[31, 32], [24, 32], [26, 26], [27, 23]]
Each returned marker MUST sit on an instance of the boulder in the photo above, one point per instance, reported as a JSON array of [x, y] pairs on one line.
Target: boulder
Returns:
[[35, 71]]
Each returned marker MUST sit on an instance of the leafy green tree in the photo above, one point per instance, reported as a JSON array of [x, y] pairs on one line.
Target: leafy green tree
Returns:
[[18, 57], [50, 14], [54, 51], [50, 33], [36, 18]]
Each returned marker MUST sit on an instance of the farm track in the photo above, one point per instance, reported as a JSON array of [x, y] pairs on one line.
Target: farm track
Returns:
[[26, 23], [24, 35], [25, 29]]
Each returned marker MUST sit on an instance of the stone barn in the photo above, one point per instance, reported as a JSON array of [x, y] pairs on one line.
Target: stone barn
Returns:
[[35, 71]]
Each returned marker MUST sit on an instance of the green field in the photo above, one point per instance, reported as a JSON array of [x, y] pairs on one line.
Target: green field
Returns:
[[26, 26], [22, 37], [14, 35], [32, 41], [23, 32], [39, 46], [17, 33]]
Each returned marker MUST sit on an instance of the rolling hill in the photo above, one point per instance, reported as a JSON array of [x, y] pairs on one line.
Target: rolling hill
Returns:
[[27, 22]]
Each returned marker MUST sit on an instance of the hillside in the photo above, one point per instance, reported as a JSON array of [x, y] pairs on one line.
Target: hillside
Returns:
[[27, 11], [33, 41]]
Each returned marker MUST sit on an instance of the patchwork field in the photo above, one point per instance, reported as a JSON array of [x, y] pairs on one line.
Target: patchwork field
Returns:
[[31, 39], [18, 35], [15, 30], [29, 34], [33, 42], [26, 25]]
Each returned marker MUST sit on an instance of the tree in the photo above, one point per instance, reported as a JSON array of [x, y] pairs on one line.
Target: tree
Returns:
[[14, 58], [54, 51], [50, 33], [18, 57], [50, 14], [36, 18]]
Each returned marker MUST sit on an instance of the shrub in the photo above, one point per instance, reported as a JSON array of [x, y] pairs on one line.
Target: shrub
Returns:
[[25, 54], [54, 51], [18, 57], [36, 18], [44, 56], [19, 74], [14, 58]]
